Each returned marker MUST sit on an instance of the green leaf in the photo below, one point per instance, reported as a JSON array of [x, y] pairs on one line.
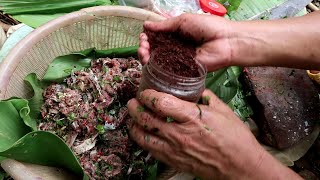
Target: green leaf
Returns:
[[116, 52], [15, 7], [62, 66], [231, 5], [2, 174], [36, 20], [22, 106], [116, 78], [140, 108], [224, 83], [170, 119], [36, 101], [12, 128], [100, 129], [18, 116], [152, 171], [35, 13], [44, 148]]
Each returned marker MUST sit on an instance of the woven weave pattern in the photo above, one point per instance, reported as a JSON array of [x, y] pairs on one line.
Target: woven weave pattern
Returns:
[[100, 33]]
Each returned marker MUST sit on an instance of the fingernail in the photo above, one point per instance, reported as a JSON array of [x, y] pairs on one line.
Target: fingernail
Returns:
[[129, 102], [147, 24], [140, 95]]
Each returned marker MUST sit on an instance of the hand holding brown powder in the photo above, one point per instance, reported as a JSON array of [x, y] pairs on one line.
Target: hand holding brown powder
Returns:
[[187, 37]]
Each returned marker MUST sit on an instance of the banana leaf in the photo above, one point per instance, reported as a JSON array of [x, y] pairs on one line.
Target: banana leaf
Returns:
[[35, 13], [231, 5], [15, 7], [62, 66], [225, 84], [44, 148], [36, 20], [2, 175], [12, 124]]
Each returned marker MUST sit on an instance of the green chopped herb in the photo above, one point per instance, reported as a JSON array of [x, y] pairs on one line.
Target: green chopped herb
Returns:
[[100, 111], [100, 129], [137, 153], [206, 100], [60, 123], [85, 115], [99, 119], [105, 82], [106, 111], [105, 69], [170, 119], [152, 171], [147, 138], [116, 78], [112, 112], [110, 167], [140, 108], [60, 95], [71, 116], [153, 101], [207, 128], [264, 18]]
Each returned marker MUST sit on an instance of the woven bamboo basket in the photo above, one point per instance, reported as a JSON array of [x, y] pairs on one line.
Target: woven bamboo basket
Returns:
[[102, 27]]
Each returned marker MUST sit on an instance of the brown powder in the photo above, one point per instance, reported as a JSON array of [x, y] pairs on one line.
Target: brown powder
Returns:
[[173, 53]]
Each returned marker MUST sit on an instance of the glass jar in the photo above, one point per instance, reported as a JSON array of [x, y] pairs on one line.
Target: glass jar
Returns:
[[185, 88]]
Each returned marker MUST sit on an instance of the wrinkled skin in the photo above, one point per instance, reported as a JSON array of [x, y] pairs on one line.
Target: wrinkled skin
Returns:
[[209, 141], [215, 144]]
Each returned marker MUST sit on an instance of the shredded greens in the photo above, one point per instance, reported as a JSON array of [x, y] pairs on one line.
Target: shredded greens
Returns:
[[19, 138], [231, 5], [18, 121], [225, 84]]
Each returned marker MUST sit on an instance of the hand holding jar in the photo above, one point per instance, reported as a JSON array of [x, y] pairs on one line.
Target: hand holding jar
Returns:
[[209, 140]]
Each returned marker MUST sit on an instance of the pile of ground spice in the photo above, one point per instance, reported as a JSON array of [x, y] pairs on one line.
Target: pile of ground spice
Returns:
[[173, 53]]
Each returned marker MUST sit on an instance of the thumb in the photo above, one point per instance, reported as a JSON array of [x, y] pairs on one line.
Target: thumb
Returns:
[[169, 25]]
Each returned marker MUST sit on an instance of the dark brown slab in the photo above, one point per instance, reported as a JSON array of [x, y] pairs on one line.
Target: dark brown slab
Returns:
[[285, 102]]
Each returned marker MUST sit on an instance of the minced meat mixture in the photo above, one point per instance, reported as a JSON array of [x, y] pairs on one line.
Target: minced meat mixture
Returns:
[[89, 112]]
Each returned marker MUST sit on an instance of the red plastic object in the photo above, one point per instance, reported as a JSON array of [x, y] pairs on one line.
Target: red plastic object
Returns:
[[213, 7]]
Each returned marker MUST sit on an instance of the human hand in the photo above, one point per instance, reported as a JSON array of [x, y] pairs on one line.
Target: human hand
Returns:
[[209, 141], [210, 31], [287, 42]]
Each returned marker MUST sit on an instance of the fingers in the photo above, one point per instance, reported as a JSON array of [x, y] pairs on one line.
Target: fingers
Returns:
[[169, 25], [144, 48], [210, 99], [146, 140], [158, 147], [170, 107], [148, 120]]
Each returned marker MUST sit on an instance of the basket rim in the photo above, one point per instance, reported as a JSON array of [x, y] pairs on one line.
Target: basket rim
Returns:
[[14, 57]]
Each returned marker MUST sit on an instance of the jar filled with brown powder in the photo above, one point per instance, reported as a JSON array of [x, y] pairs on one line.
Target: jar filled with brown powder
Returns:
[[186, 88], [172, 67]]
